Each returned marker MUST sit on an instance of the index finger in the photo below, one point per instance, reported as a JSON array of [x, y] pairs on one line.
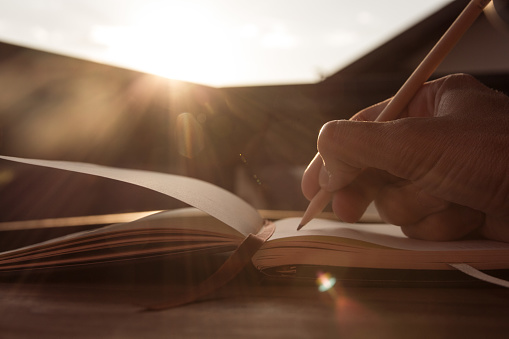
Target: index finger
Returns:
[[310, 183], [370, 113], [421, 105]]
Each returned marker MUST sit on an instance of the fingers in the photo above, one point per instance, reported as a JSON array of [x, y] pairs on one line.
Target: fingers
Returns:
[[370, 113], [350, 202], [315, 177], [463, 96], [423, 104], [355, 155], [346, 147], [334, 143], [423, 216], [404, 203], [426, 127], [455, 222], [337, 136]]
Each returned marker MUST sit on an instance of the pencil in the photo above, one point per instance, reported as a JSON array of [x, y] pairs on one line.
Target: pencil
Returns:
[[405, 94]]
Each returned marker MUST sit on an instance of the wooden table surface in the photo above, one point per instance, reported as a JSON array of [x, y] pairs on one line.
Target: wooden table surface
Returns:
[[95, 305]]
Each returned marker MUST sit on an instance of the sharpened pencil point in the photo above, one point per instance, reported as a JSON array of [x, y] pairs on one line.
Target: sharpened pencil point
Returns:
[[317, 204]]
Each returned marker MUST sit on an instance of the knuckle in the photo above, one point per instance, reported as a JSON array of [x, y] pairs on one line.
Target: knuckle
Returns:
[[329, 135]]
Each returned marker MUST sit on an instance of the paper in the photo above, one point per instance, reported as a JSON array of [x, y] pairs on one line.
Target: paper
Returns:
[[380, 234], [215, 201]]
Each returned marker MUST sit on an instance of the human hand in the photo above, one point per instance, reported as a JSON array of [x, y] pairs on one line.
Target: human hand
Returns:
[[441, 171]]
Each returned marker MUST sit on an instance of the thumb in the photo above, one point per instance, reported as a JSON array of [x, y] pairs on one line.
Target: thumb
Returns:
[[398, 147]]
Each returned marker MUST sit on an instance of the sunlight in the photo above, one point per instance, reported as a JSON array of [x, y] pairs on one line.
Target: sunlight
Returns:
[[175, 40], [212, 42]]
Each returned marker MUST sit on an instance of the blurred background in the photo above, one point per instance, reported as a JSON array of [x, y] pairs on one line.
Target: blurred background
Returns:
[[231, 92]]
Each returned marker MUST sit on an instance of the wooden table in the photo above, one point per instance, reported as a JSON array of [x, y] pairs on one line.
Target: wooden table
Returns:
[[92, 304]]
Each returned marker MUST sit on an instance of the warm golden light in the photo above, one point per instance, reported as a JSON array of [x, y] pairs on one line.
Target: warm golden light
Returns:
[[176, 40], [190, 137]]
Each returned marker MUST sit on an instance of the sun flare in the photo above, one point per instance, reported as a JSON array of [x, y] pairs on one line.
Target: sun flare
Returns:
[[175, 40]]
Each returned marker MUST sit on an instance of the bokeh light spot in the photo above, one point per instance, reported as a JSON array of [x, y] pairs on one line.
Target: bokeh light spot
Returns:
[[325, 281]]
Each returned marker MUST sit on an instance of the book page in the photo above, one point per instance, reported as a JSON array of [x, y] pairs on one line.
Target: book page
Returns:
[[213, 200], [179, 219], [380, 234]]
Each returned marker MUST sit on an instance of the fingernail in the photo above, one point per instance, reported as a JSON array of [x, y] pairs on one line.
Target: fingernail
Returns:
[[328, 181], [323, 177]]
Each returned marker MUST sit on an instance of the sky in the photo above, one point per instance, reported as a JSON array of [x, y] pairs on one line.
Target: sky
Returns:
[[220, 43]]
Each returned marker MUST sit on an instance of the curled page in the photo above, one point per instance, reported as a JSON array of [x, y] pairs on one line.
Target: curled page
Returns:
[[213, 200]]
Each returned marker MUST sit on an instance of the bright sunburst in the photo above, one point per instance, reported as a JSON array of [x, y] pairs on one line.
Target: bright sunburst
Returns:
[[177, 40], [212, 42]]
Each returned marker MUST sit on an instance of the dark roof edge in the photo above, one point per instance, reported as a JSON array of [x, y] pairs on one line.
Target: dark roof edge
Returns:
[[388, 56]]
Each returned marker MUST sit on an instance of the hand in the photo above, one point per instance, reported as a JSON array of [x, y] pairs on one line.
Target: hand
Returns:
[[441, 171]]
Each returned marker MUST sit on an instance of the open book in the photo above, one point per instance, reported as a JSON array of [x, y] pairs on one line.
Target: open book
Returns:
[[224, 222]]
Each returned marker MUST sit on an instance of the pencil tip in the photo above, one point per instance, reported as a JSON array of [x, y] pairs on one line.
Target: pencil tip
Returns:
[[300, 226]]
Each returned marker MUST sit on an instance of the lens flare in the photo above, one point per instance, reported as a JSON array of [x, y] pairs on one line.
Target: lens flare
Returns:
[[190, 137], [325, 282]]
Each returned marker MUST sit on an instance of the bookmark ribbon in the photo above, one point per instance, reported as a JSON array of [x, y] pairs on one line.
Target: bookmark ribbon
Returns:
[[228, 271], [473, 272]]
